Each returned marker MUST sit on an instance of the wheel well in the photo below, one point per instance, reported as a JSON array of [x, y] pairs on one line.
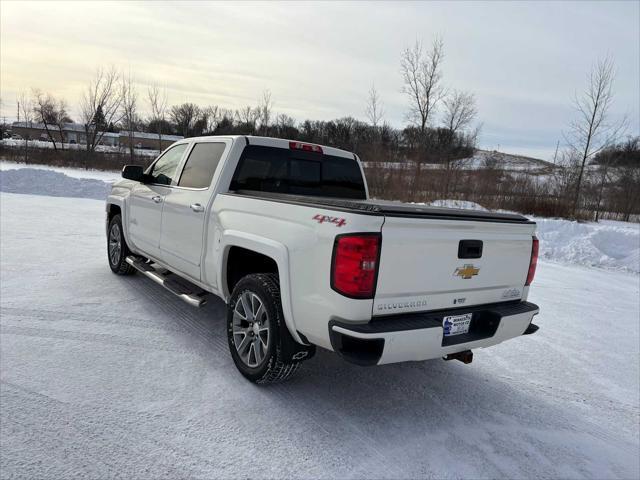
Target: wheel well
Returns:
[[241, 262], [112, 211]]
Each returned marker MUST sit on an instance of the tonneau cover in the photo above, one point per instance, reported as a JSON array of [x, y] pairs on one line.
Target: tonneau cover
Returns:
[[388, 208]]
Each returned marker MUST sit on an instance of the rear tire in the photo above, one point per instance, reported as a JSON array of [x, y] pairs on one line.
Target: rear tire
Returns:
[[254, 325], [117, 248]]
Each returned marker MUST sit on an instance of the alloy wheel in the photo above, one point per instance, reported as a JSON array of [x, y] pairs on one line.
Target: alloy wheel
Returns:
[[251, 329]]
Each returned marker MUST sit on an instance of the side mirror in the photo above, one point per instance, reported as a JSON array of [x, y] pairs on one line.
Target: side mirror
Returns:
[[133, 172]]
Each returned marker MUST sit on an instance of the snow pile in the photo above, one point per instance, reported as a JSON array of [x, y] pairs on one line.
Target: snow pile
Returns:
[[464, 204], [608, 244], [504, 161], [54, 184], [108, 176]]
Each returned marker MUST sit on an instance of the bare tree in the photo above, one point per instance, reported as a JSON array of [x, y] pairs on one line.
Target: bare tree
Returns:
[[264, 111], [602, 178], [592, 130], [374, 109], [62, 117], [185, 117], [628, 184], [100, 105], [459, 111], [158, 103], [45, 110], [25, 110], [247, 117], [213, 114], [129, 111], [422, 77], [285, 121]]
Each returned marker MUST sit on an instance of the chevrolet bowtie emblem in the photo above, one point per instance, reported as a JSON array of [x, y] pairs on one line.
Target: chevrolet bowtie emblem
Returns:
[[466, 271]]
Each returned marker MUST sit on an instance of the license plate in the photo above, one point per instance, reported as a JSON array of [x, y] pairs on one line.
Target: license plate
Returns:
[[456, 324]]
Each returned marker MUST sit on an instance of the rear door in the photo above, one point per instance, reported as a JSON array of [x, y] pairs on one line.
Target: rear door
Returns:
[[430, 264], [147, 199], [186, 208]]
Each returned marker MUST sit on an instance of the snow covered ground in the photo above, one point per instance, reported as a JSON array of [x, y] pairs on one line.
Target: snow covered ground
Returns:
[[108, 176], [105, 376], [15, 143]]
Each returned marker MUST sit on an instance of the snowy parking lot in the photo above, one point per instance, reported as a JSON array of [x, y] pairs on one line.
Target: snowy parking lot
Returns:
[[105, 376]]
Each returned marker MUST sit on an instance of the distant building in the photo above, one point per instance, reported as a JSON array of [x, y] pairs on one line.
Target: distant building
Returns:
[[75, 133], [147, 140]]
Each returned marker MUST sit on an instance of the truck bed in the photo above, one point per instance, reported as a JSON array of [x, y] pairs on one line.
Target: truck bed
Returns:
[[387, 208]]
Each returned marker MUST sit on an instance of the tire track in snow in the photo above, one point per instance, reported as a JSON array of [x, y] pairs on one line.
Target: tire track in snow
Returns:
[[101, 338], [377, 460], [119, 440], [45, 315], [187, 316]]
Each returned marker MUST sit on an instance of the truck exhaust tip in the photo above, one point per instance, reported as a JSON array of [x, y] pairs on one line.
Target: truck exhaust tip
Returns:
[[465, 357]]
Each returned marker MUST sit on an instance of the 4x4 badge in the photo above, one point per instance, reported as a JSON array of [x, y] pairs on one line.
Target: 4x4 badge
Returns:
[[466, 271], [325, 218]]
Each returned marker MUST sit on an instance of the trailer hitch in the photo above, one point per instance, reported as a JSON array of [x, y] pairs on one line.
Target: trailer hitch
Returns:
[[465, 357]]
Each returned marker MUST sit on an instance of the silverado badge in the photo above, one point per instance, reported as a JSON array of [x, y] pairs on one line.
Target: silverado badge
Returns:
[[466, 271]]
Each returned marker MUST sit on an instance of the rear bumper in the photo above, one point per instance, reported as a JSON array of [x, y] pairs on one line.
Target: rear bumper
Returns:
[[419, 336]]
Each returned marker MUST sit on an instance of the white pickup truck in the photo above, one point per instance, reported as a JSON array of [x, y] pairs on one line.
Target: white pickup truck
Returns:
[[285, 233]]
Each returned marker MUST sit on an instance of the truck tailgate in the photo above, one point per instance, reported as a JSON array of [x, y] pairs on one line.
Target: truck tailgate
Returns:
[[423, 267]]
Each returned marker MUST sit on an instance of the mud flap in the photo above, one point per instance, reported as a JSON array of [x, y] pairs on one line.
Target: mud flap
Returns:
[[291, 350]]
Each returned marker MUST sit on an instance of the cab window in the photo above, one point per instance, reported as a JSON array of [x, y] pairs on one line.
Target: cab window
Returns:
[[201, 164], [164, 170], [279, 170]]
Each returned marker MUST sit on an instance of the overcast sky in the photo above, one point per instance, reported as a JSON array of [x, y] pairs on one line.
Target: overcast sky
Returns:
[[523, 61]]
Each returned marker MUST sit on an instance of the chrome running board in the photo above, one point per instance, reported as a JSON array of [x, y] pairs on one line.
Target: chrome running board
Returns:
[[186, 291]]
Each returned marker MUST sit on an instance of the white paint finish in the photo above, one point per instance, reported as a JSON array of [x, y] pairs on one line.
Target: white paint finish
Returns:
[[182, 233], [302, 248], [144, 217], [418, 256]]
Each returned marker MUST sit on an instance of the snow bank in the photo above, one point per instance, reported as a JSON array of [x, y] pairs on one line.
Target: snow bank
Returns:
[[54, 184], [608, 244], [108, 176]]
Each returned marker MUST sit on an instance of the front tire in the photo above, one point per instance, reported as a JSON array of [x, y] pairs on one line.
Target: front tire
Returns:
[[254, 325], [117, 249]]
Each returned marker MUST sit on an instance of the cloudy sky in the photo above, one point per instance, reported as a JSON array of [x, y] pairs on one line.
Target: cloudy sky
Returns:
[[523, 61]]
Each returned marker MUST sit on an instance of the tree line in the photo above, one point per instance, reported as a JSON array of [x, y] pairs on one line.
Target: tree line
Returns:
[[598, 171]]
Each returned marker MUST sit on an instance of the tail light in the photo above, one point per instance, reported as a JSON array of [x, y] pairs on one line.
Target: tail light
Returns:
[[307, 147], [533, 263], [354, 266]]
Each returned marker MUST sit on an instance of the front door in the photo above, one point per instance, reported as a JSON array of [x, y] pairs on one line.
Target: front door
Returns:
[[147, 199], [187, 207]]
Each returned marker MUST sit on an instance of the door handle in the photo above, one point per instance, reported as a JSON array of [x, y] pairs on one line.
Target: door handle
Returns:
[[196, 207], [157, 198]]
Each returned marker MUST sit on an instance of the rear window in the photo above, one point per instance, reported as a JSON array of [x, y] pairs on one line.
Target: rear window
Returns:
[[279, 170]]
